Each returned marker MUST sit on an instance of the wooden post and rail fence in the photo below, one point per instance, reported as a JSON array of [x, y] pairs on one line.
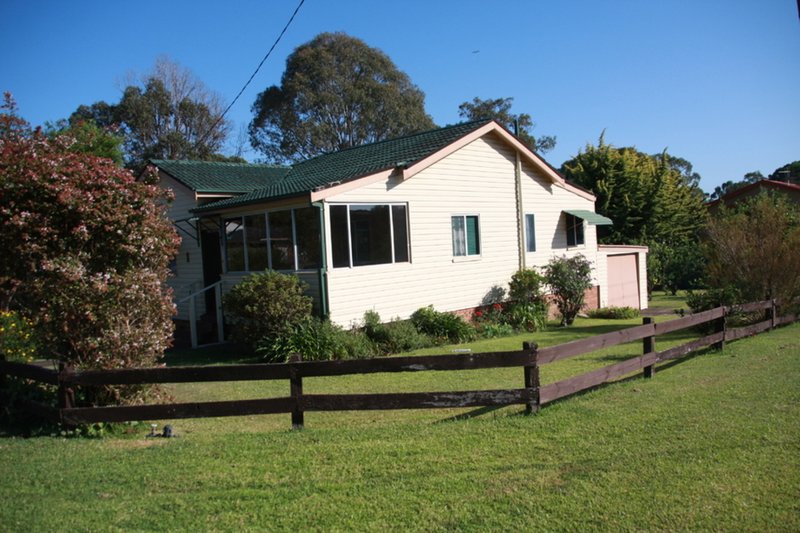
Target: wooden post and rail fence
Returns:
[[532, 393]]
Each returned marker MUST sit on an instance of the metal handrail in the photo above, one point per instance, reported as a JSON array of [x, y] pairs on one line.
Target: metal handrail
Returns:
[[192, 298]]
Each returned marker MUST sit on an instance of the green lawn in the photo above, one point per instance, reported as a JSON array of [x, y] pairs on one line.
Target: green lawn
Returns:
[[711, 443], [662, 299]]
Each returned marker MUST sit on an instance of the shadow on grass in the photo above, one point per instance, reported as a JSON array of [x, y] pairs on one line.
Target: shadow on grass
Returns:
[[637, 376], [219, 354], [472, 414], [579, 332], [634, 377]]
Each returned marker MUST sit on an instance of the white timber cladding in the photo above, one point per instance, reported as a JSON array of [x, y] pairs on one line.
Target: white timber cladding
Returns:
[[477, 179], [188, 265], [547, 201]]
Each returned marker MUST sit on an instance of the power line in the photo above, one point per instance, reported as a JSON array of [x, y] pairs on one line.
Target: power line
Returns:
[[207, 133]]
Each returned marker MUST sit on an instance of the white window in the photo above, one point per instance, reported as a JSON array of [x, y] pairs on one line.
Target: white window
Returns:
[[530, 233], [574, 230], [278, 240], [466, 235], [369, 234]]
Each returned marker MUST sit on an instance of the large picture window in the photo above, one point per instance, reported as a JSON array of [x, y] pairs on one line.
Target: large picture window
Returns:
[[574, 230], [466, 235], [278, 240], [368, 234]]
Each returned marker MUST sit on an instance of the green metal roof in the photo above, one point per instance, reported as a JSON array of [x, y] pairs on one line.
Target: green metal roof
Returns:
[[590, 216], [352, 163], [214, 177]]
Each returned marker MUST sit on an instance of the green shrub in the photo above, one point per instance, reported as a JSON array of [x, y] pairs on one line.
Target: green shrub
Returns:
[[266, 305], [526, 286], [704, 300], [569, 278], [493, 331], [315, 339], [614, 313], [17, 338], [490, 314], [711, 298], [395, 336], [443, 327], [86, 247], [527, 316], [675, 267]]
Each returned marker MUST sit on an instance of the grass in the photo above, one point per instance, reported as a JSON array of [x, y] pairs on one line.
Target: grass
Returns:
[[663, 299], [711, 443]]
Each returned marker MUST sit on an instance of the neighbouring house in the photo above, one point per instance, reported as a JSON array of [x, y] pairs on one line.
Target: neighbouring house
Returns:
[[440, 218], [790, 190]]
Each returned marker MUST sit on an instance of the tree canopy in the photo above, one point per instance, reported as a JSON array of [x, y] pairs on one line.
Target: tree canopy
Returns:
[[648, 199], [499, 109], [336, 92], [87, 137], [86, 249], [790, 172], [730, 186], [753, 250], [168, 114]]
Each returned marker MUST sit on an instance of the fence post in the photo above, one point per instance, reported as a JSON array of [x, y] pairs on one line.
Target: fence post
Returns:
[[772, 313], [648, 346], [532, 377], [296, 392], [721, 326], [66, 395]]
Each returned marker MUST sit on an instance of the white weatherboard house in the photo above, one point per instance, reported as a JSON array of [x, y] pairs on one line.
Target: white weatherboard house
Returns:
[[437, 218]]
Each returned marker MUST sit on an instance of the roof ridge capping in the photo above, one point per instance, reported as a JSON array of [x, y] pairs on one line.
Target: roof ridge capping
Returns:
[[405, 137], [182, 162]]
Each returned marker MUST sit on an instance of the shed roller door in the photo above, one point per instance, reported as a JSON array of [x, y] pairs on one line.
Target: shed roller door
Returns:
[[623, 281]]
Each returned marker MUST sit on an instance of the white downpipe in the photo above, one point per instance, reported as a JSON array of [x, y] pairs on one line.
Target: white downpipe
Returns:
[[520, 213]]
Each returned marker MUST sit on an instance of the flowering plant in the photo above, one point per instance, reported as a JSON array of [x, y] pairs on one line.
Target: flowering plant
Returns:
[[86, 249], [17, 341]]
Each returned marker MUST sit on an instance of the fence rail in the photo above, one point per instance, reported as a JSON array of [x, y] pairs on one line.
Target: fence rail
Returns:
[[533, 395]]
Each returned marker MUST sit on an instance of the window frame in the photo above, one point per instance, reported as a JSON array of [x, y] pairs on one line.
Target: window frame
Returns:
[[392, 234], [466, 256], [575, 229], [530, 232], [268, 234]]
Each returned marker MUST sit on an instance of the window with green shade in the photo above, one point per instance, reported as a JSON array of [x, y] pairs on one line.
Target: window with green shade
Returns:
[[574, 230], [466, 235]]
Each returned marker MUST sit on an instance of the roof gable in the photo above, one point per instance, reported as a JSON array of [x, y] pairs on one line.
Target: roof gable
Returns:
[[215, 177], [321, 175]]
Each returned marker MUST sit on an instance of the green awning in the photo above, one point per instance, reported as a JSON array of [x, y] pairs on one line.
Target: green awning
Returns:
[[590, 216]]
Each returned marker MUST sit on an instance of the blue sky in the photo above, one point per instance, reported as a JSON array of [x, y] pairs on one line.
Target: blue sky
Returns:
[[715, 82]]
